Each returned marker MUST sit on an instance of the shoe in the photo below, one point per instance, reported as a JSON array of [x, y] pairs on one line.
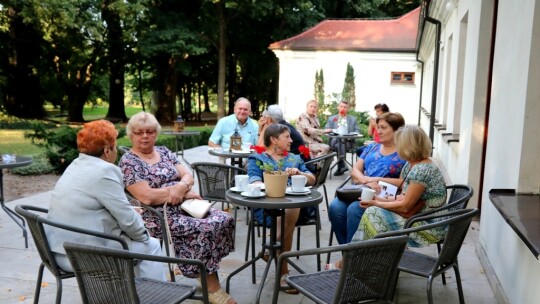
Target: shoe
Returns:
[[264, 256], [340, 171], [335, 266], [219, 297], [283, 286]]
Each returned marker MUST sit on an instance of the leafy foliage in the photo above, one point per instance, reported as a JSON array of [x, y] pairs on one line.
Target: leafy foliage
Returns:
[[349, 88]]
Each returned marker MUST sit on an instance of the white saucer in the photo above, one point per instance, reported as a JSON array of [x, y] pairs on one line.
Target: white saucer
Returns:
[[290, 191], [235, 189], [241, 151], [246, 194]]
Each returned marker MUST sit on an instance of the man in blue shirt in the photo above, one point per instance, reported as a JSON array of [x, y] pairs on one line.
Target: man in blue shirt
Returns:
[[240, 121]]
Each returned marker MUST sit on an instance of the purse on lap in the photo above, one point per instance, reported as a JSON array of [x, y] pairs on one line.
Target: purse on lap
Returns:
[[350, 193]]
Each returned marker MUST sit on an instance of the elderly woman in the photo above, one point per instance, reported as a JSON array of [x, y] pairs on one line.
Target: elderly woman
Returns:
[[378, 162], [423, 188], [277, 141], [90, 195], [274, 115], [154, 176], [308, 125]]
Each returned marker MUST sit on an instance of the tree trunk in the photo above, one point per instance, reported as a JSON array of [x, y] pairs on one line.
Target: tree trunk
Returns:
[[222, 51], [116, 60], [22, 96], [164, 99]]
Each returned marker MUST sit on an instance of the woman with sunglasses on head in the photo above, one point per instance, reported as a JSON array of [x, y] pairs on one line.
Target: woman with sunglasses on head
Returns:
[[153, 175], [380, 109]]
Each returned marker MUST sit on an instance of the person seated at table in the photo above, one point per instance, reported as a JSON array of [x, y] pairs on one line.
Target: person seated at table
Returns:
[[423, 188], [239, 121], [153, 175], [378, 162], [274, 115], [277, 141], [349, 123], [90, 195], [309, 127], [380, 109]]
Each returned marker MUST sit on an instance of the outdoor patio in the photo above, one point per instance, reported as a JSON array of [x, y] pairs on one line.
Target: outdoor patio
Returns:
[[19, 265]]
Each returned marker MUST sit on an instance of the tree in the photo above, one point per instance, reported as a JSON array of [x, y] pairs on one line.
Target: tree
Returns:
[[349, 88], [319, 87]]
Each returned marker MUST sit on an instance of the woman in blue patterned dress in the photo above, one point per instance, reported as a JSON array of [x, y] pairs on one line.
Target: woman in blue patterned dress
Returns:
[[423, 182], [153, 175], [277, 141], [378, 162]]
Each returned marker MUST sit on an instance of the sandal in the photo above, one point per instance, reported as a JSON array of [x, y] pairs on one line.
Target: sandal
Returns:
[[283, 286], [219, 297], [334, 266]]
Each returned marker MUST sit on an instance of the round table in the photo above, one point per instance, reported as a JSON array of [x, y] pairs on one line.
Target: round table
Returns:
[[274, 208], [236, 157], [343, 140], [19, 161]]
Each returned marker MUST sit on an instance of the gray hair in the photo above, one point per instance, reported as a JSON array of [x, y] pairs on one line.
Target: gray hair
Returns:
[[275, 113], [142, 119]]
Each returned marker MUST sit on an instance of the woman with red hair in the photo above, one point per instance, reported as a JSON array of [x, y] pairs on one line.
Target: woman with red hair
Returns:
[[90, 194]]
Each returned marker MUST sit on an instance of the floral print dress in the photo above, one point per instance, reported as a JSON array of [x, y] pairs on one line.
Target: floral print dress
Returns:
[[310, 129], [209, 239], [377, 220]]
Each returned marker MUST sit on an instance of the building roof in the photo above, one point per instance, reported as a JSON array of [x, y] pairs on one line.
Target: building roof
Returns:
[[357, 35]]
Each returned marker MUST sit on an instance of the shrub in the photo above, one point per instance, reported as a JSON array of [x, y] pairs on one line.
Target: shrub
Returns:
[[40, 165]]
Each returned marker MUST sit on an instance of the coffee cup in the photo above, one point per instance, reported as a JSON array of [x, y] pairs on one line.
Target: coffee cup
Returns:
[[298, 183], [367, 194], [254, 189], [241, 182]]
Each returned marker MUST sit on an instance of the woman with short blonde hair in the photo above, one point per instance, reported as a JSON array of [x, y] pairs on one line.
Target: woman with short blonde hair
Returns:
[[308, 125]]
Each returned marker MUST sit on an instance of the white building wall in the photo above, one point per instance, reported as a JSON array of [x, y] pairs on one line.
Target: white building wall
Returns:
[[510, 155], [372, 79]]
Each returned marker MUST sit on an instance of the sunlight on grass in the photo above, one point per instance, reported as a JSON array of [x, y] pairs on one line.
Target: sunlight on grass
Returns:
[[13, 141]]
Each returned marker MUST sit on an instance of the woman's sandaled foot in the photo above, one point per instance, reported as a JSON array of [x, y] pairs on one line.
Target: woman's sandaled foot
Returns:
[[220, 297], [336, 265], [283, 286]]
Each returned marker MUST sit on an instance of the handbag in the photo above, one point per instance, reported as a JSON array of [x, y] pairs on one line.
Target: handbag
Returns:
[[350, 193], [169, 242]]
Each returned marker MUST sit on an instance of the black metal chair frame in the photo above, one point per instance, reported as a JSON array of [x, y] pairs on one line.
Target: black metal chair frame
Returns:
[[106, 275], [213, 188], [368, 274], [36, 224], [457, 223]]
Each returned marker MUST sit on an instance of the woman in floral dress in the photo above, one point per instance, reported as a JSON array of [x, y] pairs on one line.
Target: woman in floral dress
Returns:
[[153, 175], [308, 125], [423, 182]]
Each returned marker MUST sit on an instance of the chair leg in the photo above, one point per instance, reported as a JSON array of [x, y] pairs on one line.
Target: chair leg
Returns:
[[58, 290], [458, 282], [429, 291], [443, 277], [38, 284], [330, 241], [298, 239], [318, 241]]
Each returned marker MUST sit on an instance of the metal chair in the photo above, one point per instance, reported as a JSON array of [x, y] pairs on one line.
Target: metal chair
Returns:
[[368, 275], [106, 275], [458, 199], [36, 223], [331, 237], [323, 164], [457, 223], [214, 180]]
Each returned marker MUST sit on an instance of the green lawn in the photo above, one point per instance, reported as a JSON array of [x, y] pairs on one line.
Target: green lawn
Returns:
[[13, 142]]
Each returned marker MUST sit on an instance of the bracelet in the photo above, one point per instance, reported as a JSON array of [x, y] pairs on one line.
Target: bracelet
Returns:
[[187, 184]]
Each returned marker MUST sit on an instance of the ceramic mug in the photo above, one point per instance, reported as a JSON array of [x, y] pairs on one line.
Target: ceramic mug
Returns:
[[241, 182], [298, 183], [367, 194], [254, 189]]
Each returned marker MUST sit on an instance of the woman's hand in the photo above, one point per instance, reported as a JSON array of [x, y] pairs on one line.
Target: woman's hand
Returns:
[[176, 193], [292, 171], [366, 204], [191, 194]]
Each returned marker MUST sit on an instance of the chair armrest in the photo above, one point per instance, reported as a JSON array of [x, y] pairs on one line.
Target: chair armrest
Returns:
[[85, 231], [408, 230], [435, 210]]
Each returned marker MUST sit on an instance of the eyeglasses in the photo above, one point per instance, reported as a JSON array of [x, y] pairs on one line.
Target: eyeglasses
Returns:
[[147, 132]]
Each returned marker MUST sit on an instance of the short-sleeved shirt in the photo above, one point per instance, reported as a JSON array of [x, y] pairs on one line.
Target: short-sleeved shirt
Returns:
[[227, 125], [376, 164]]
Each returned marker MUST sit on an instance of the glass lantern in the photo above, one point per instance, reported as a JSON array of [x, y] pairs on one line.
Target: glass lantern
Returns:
[[236, 141], [179, 124]]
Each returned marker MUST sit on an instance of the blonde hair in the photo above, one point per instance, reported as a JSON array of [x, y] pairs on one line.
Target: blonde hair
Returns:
[[142, 119], [412, 143]]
